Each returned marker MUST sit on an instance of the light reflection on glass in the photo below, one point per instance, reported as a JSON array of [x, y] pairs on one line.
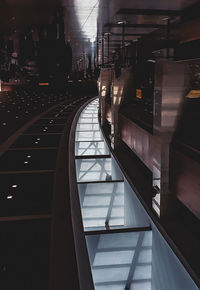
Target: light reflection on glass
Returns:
[[87, 14]]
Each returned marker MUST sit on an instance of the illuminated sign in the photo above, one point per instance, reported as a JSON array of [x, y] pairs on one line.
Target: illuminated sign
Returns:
[[193, 94], [43, 84], [139, 93]]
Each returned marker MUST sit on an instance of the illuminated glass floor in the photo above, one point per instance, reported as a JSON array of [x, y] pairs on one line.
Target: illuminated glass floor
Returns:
[[101, 204], [91, 148], [96, 169], [89, 136], [121, 261], [105, 205], [126, 250], [110, 205], [104, 197], [87, 127]]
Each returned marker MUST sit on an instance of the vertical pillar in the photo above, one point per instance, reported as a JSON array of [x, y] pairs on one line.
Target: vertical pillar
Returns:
[[102, 50], [108, 47], [123, 42], [171, 86], [97, 48], [105, 80]]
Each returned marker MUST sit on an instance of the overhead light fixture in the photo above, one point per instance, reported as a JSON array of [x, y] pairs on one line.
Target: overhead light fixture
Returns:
[[9, 197], [165, 18], [151, 60], [122, 22]]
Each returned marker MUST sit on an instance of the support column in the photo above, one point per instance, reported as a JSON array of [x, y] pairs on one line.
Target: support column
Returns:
[[171, 86], [105, 80]]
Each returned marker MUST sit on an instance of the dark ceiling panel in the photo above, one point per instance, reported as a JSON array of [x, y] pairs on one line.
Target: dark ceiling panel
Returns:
[[130, 11], [128, 34], [136, 25]]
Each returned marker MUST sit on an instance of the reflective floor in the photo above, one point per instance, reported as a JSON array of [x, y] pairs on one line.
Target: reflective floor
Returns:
[[117, 260], [102, 203], [126, 250], [96, 169], [91, 148], [121, 261]]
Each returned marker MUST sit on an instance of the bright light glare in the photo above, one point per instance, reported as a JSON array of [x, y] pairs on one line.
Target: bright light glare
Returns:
[[87, 13]]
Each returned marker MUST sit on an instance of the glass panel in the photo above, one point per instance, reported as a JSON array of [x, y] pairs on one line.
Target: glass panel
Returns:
[[88, 136], [121, 261], [135, 215], [87, 127], [102, 205], [96, 170], [90, 111], [88, 115], [91, 148], [87, 120], [97, 202], [166, 268]]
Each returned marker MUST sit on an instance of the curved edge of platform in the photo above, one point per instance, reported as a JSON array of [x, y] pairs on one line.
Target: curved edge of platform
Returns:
[[83, 264]]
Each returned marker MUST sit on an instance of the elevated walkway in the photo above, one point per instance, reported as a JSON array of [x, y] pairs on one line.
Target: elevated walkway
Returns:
[[119, 245]]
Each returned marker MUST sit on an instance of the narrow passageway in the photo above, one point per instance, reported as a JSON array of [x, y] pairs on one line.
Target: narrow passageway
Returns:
[[122, 241]]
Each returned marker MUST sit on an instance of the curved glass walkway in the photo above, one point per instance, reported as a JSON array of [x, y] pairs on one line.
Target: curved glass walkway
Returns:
[[125, 248]]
